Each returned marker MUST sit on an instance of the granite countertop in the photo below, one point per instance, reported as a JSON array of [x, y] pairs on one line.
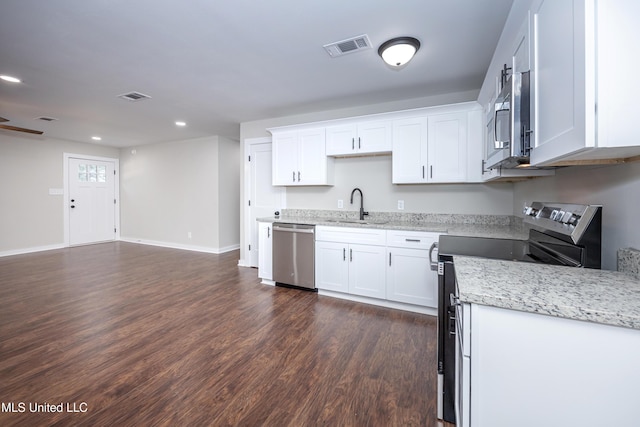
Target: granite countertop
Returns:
[[434, 225], [599, 296]]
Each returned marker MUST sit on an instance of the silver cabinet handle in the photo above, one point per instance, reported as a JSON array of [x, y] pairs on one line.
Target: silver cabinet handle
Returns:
[[294, 176], [353, 143], [412, 240], [350, 255], [344, 254], [268, 232], [359, 143], [389, 259], [422, 171], [431, 171], [298, 176], [432, 263]]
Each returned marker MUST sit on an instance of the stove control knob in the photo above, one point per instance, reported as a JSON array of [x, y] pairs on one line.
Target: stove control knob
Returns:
[[559, 216], [528, 210], [573, 220]]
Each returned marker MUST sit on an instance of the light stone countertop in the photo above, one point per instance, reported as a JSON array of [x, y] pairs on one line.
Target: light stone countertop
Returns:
[[474, 229], [599, 296]]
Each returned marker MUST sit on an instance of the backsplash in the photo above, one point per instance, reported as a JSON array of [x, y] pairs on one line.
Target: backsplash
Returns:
[[629, 261], [506, 220]]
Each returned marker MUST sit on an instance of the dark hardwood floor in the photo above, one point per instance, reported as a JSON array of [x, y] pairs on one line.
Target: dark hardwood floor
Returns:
[[134, 335]]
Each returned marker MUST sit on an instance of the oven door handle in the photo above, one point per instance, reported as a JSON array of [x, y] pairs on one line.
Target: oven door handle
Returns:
[[432, 263]]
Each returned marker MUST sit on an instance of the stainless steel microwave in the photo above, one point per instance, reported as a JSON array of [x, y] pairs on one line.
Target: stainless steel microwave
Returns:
[[508, 126]]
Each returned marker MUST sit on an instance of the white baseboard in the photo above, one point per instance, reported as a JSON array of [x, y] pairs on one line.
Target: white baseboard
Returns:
[[382, 303], [31, 250], [171, 245]]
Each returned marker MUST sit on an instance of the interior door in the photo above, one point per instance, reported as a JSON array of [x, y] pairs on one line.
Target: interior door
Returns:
[[91, 204]]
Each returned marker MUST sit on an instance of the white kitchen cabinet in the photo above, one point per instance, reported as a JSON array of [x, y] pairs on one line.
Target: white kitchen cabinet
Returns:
[[447, 147], [528, 369], [432, 148], [368, 137], [299, 158], [584, 80], [332, 266], [265, 251], [409, 158], [409, 275], [347, 261]]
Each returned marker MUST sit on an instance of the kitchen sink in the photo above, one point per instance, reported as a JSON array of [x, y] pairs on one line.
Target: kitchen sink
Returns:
[[356, 221]]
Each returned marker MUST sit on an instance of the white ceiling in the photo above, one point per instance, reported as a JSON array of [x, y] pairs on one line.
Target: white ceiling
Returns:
[[217, 63]]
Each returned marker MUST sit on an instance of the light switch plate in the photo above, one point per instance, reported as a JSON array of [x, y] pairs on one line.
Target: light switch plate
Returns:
[[340, 204], [401, 205]]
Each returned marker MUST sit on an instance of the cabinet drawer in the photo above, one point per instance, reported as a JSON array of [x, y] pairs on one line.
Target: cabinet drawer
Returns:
[[370, 236], [411, 239]]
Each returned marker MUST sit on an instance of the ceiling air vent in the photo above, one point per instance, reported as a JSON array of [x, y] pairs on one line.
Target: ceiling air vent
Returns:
[[134, 96], [46, 119], [354, 44]]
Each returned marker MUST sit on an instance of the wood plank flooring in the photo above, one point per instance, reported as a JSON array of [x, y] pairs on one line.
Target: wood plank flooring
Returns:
[[135, 335]]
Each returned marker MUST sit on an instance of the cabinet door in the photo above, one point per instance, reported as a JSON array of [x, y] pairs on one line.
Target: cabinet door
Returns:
[[265, 251], [341, 140], [409, 277], [409, 156], [312, 158], [367, 271], [521, 49], [374, 137], [332, 266], [563, 82], [285, 158], [447, 152]]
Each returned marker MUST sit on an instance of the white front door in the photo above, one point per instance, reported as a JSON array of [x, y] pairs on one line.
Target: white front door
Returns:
[[264, 198], [91, 201]]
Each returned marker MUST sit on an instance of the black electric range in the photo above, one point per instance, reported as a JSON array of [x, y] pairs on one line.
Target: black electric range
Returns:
[[560, 234]]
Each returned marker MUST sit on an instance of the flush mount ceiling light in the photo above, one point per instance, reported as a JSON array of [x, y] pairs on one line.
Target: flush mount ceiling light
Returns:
[[96, 138], [179, 123], [10, 79], [397, 52]]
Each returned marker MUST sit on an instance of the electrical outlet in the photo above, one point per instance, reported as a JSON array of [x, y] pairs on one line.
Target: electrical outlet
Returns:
[[401, 205], [340, 204]]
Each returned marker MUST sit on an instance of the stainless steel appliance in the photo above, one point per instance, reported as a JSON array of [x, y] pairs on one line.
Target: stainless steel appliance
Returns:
[[293, 255], [560, 234], [508, 126]]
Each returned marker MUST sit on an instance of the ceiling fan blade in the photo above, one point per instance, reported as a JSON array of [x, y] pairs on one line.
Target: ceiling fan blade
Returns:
[[15, 128], [2, 119]]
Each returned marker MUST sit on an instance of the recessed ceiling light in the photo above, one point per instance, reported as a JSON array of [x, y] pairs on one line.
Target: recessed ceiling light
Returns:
[[10, 79], [96, 138], [179, 123]]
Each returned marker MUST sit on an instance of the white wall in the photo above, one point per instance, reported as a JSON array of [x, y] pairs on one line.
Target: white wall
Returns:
[[31, 219], [169, 190], [373, 176], [616, 188]]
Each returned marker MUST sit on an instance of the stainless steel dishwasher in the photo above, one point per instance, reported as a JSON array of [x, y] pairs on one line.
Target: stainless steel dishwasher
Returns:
[[293, 255]]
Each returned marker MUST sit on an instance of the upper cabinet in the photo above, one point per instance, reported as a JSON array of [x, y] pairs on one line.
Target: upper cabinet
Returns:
[[584, 80], [299, 158], [368, 137], [435, 147], [427, 145]]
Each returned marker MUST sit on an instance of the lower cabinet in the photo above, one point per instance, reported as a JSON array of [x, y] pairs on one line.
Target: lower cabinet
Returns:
[[386, 265], [410, 279], [265, 251], [357, 269], [530, 370]]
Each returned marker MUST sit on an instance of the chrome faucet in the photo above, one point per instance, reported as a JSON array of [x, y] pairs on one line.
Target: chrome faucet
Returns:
[[362, 212]]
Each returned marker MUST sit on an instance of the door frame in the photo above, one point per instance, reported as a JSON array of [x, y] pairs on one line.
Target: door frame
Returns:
[[245, 258], [65, 198]]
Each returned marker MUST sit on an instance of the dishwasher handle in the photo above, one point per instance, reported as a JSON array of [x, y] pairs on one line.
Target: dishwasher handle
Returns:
[[293, 230]]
